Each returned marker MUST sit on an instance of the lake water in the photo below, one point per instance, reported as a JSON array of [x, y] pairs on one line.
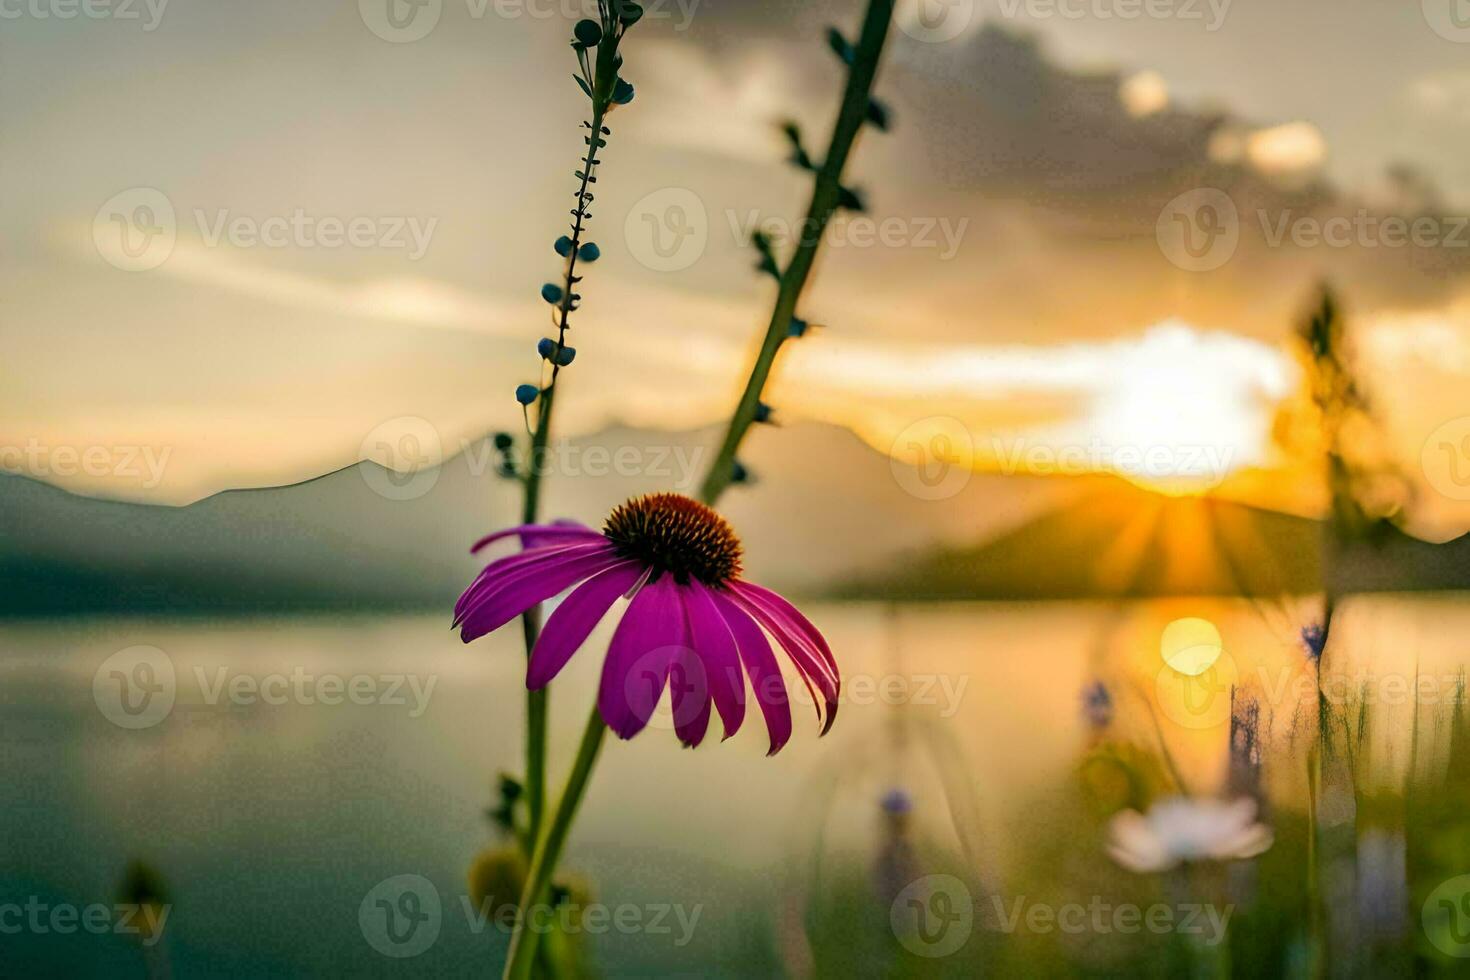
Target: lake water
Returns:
[[271, 823]]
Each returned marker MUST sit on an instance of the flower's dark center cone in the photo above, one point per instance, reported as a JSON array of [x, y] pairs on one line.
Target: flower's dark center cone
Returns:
[[675, 534]]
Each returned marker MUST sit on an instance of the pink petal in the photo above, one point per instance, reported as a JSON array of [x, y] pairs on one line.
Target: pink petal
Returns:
[[711, 637], [495, 609], [779, 604], [760, 663], [689, 695], [503, 570], [536, 535], [793, 639], [638, 659], [575, 619]]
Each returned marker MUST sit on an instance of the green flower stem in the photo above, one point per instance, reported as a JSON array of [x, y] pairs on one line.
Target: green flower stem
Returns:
[[538, 702], [825, 195], [1317, 911], [525, 940]]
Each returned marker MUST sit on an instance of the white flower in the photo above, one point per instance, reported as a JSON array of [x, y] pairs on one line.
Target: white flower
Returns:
[[1180, 829]]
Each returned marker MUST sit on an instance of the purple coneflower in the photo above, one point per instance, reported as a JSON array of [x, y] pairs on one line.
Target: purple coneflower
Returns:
[[692, 621]]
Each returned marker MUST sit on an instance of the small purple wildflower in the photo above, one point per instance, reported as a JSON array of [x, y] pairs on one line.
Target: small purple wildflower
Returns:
[[1097, 705], [896, 801], [1314, 640]]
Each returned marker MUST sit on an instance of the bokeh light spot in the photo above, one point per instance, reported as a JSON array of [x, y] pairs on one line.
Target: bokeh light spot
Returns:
[[1190, 645]]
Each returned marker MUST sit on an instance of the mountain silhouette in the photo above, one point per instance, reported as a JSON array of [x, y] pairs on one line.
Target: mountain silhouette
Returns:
[[825, 515], [822, 505], [1127, 542]]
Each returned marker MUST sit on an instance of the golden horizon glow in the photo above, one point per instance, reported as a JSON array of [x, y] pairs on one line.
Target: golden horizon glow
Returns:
[[1175, 410]]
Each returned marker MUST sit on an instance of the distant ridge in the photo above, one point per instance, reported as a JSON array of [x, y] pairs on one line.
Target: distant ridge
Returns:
[[823, 505], [1126, 542], [826, 516]]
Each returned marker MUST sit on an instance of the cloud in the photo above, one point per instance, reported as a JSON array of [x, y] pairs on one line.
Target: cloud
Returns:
[[412, 300], [752, 89]]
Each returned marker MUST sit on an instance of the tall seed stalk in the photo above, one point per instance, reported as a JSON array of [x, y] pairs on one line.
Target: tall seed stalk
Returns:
[[596, 44]]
